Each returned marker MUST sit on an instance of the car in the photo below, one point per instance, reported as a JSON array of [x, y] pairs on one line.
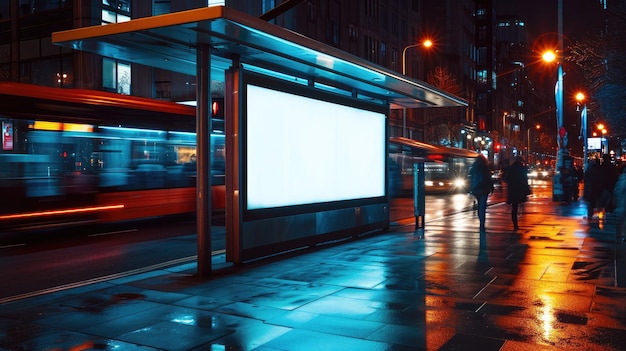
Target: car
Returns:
[[496, 176], [540, 172]]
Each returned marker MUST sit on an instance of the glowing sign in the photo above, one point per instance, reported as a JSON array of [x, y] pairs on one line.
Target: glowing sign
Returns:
[[301, 150], [7, 136]]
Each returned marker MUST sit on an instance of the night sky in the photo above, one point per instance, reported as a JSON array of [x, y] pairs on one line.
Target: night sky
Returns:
[[580, 18], [541, 16]]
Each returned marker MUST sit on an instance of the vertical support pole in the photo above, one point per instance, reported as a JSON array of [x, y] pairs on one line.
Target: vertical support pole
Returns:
[[583, 122], [404, 122], [557, 187], [419, 195], [203, 150], [233, 159]]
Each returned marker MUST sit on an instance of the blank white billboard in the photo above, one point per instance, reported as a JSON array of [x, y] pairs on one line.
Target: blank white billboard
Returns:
[[301, 150]]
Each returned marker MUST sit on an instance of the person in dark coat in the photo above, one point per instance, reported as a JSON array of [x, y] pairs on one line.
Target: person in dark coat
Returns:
[[610, 175], [619, 201], [517, 187], [481, 185], [592, 187]]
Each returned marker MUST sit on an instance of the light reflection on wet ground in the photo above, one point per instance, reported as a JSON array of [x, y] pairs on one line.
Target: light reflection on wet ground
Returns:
[[554, 284]]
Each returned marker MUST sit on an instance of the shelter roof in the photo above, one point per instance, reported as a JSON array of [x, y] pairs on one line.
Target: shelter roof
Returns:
[[170, 42]]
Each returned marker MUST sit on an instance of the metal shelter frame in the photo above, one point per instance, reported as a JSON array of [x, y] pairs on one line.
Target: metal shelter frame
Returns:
[[206, 42]]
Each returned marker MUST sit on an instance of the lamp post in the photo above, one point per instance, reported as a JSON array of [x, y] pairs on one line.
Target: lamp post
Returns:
[[580, 98], [427, 43], [538, 126], [503, 151], [557, 187]]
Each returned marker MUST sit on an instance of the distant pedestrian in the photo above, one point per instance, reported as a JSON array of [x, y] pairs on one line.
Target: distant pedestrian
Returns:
[[517, 187], [619, 201], [609, 174], [567, 180], [481, 185], [592, 187]]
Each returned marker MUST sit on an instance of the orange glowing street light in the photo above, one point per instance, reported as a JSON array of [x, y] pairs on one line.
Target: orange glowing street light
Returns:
[[580, 97], [427, 43], [549, 56]]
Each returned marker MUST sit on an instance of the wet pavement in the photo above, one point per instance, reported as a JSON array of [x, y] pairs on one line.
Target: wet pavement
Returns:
[[556, 283]]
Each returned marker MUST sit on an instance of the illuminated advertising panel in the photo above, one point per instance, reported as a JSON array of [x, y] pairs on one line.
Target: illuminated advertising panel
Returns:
[[7, 136], [301, 150], [594, 143]]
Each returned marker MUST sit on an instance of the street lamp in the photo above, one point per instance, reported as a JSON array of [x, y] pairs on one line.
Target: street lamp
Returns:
[[538, 126], [557, 187], [580, 98], [427, 43], [561, 152]]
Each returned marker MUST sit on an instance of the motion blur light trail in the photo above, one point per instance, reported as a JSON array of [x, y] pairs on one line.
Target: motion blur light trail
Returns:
[[57, 212]]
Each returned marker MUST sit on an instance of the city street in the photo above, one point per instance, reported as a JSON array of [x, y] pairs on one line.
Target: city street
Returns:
[[57, 260], [556, 283]]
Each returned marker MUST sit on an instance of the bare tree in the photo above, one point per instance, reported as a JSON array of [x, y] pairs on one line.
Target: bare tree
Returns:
[[603, 61], [442, 125]]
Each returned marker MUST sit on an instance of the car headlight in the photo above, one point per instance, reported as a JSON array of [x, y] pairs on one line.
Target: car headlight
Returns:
[[459, 182], [533, 174], [428, 183]]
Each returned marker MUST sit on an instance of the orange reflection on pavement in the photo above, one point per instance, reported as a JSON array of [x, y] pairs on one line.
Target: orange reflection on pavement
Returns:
[[59, 212]]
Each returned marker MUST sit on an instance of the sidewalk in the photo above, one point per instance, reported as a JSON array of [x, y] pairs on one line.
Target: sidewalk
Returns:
[[557, 283]]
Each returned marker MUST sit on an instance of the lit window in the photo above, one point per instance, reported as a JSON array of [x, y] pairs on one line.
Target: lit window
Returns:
[[116, 76], [115, 11]]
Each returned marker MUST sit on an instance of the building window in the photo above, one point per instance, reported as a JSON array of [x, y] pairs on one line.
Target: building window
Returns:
[[115, 11], [371, 8], [371, 48], [394, 59], [310, 11], [384, 17], [482, 33], [383, 53], [335, 37], [481, 13], [353, 32], [481, 76], [161, 7], [394, 24], [28, 7], [4, 9], [116, 76], [482, 56]]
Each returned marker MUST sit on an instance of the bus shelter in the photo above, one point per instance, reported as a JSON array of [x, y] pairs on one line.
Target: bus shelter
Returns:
[[306, 124]]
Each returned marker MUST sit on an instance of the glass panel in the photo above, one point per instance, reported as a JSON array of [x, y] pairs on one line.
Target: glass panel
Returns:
[[123, 78], [108, 73]]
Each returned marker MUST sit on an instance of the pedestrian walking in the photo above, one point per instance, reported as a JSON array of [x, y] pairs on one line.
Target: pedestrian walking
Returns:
[[619, 201], [517, 187], [599, 181], [567, 180], [592, 187], [609, 178], [481, 185]]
